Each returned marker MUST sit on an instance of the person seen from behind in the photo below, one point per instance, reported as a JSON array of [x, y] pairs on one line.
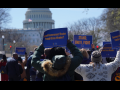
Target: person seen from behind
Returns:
[[4, 76], [13, 69], [31, 72], [39, 75], [96, 71], [22, 63], [58, 63], [86, 60]]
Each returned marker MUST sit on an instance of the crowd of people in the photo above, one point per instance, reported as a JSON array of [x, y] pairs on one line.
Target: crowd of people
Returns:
[[56, 64]]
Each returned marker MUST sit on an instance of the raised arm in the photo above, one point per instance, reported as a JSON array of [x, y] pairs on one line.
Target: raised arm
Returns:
[[112, 66], [35, 62], [77, 56], [25, 61]]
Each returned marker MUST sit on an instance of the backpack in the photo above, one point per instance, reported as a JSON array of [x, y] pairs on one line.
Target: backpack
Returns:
[[3, 70], [65, 77]]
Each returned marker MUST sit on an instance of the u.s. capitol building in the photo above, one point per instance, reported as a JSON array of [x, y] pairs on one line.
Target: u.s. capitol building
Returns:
[[37, 20]]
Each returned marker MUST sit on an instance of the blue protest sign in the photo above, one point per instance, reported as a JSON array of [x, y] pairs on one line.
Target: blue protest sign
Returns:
[[106, 43], [115, 39], [55, 37], [41, 59], [108, 51], [20, 51], [83, 41]]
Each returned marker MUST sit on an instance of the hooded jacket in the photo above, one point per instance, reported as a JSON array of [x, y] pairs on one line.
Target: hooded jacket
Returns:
[[51, 74]]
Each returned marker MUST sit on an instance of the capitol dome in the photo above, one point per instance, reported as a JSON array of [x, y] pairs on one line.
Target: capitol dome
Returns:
[[38, 18], [38, 9]]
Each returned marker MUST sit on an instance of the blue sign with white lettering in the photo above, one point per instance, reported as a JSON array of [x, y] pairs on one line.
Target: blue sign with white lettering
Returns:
[[55, 37], [108, 51], [106, 43], [115, 39], [83, 41], [20, 51]]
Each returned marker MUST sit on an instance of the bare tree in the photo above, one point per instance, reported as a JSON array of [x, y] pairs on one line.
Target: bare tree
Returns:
[[41, 33], [14, 34], [90, 26], [4, 16], [77, 28]]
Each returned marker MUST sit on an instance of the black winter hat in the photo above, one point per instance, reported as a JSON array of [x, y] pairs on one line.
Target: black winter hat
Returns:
[[4, 57], [59, 62], [20, 59]]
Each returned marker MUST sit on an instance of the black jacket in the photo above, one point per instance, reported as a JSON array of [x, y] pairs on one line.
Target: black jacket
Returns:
[[12, 68]]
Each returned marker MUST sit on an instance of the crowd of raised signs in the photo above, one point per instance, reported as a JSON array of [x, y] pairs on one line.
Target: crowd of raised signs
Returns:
[[59, 59]]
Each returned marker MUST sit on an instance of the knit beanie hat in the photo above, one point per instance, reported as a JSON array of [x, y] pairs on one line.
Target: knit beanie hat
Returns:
[[96, 56], [58, 61]]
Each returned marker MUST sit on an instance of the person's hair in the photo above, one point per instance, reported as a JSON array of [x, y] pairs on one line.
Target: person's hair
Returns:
[[96, 64], [3, 58], [20, 59], [84, 53], [47, 51], [56, 51], [14, 55], [89, 52]]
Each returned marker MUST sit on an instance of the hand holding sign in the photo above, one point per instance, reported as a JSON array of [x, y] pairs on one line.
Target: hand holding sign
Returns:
[[68, 41], [41, 44]]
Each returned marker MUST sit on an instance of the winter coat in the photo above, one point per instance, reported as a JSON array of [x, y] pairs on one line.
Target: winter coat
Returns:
[[102, 73], [12, 68], [29, 67], [86, 60], [4, 77], [51, 74]]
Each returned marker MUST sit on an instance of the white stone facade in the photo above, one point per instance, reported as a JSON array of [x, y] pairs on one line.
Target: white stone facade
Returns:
[[32, 37]]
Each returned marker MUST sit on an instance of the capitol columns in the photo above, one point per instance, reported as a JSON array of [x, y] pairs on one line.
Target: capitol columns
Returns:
[[35, 24], [43, 24]]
